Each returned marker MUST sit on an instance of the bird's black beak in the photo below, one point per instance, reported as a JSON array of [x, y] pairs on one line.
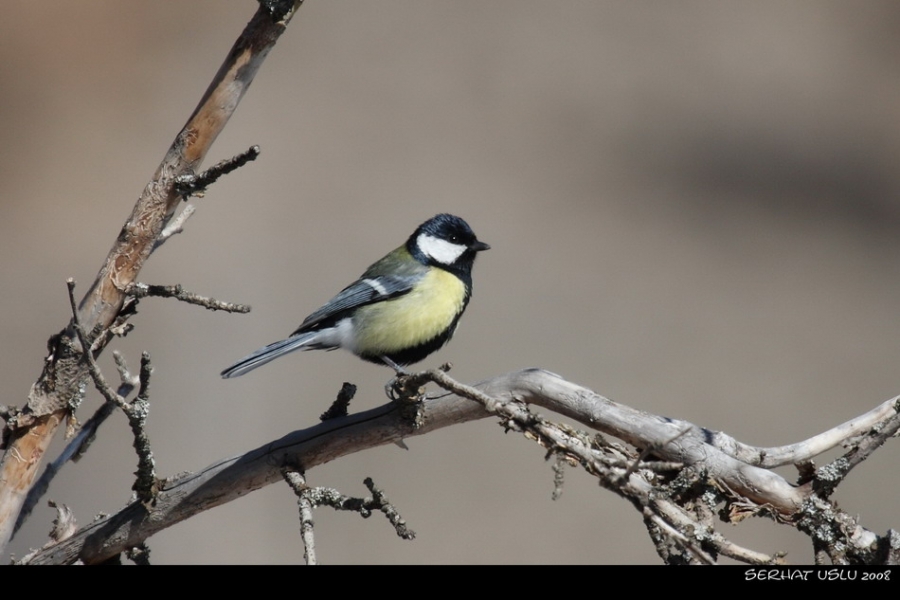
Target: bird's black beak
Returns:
[[479, 246]]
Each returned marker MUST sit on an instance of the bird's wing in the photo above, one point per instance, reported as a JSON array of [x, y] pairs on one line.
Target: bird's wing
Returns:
[[366, 290]]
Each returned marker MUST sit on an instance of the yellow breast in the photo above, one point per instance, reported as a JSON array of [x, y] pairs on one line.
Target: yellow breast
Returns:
[[412, 319]]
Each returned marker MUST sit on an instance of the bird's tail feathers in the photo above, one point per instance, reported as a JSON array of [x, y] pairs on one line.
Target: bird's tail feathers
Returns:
[[303, 341]]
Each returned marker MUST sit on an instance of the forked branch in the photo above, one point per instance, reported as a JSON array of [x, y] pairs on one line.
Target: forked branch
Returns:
[[670, 503]]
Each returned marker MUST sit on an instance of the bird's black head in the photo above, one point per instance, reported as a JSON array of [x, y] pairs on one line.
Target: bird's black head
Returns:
[[446, 241]]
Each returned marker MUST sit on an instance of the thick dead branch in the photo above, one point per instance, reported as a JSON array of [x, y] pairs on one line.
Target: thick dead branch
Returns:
[[791, 454], [65, 375], [73, 451], [226, 480], [80, 442]]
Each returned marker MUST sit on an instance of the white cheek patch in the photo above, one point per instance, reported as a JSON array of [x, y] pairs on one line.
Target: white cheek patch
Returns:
[[439, 250]]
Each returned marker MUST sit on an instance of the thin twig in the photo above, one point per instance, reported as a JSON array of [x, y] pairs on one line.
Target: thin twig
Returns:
[[190, 184], [146, 483], [297, 481], [807, 449], [175, 226], [142, 290], [105, 390], [640, 460], [310, 498], [559, 474], [676, 535], [829, 476], [379, 500]]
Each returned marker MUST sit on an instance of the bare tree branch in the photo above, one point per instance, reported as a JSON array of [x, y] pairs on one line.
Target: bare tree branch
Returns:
[[142, 290], [675, 475], [136, 411], [802, 451], [80, 441], [64, 374], [310, 498], [73, 450], [298, 483], [226, 480]]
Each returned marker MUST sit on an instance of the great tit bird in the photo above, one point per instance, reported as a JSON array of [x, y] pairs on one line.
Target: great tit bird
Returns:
[[403, 308]]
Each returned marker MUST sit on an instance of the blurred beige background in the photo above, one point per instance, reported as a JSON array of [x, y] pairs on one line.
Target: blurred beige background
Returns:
[[693, 209]]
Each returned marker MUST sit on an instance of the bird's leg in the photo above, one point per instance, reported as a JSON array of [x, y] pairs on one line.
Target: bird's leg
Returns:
[[395, 387], [399, 370]]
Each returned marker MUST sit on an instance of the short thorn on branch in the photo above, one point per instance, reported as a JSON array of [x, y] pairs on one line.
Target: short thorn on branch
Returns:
[[142, 290], [196, 184], [175, 226], [139, 555], [341, 404]]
